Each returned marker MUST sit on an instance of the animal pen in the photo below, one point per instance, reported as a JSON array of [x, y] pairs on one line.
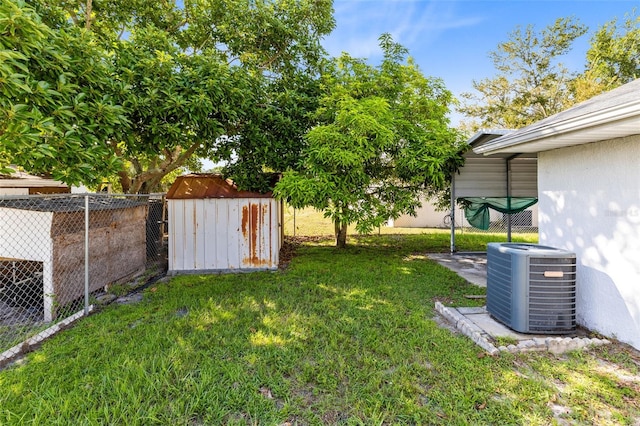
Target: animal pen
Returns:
[[59, 251], [42, 248]]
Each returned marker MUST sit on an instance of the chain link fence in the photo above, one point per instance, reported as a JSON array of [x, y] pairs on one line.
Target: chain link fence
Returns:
[[59, 252], [504, 226]]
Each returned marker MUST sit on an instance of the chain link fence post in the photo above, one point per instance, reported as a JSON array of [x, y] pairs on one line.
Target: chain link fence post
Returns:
[[86, 254], [505, 226]]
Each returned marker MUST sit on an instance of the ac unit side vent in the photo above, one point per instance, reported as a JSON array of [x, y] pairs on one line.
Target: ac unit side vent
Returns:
[[499, 295]]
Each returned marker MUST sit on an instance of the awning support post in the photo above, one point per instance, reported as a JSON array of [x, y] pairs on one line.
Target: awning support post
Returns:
[[509, 196]]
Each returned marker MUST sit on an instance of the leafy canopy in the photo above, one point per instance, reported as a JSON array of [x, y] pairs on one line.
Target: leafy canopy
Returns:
[[381, 140], [531, 83], [220, 79], [613, 58], [57, 111]]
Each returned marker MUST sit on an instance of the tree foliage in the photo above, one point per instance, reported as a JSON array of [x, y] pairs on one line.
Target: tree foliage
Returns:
[[238, 90], [381, 140], [613, 58], [219, 79], [56, 109], [531, 82], [179, 105]]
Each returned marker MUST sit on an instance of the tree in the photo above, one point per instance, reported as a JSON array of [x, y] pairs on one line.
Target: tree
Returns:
[[613, 58], [531, 83], [381, 140], [202, 78], [272, 137], [56, 112], [179, 106]]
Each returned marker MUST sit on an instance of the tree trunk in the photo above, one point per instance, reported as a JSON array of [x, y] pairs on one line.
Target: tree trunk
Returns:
[[341, 234], [125, 181]]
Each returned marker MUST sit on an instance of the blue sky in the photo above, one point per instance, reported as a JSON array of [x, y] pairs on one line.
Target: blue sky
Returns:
[[451, 39]]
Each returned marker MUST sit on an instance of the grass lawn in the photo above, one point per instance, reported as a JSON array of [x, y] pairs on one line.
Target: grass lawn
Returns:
[[336, 338], [310, 222]]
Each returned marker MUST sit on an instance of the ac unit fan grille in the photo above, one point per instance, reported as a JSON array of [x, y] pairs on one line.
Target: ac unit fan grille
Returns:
[[552, 296]]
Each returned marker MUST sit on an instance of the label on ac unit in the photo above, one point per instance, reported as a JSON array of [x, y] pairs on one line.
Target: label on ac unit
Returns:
[[553, 274]]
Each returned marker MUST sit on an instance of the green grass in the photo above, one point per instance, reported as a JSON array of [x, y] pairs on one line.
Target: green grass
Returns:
[[311, 222], [337, 338]]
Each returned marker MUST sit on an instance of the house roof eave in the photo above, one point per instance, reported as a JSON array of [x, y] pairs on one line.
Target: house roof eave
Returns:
[[610, 124], [610, 115]]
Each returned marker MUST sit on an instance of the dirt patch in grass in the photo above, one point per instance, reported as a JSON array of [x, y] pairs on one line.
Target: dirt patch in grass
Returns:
[[291, 245]]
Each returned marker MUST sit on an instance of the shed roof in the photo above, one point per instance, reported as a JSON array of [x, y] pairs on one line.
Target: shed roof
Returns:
[[485, 135], [208, 185], [611, 115]]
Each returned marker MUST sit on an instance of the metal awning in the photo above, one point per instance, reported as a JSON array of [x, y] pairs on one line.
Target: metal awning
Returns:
[[500, 175]]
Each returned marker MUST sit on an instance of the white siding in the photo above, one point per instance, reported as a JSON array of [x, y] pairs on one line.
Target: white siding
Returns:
[[220, 234], [590, 204], [524, 177], [32, 243], [14, 191], [428, 217], [482, 177]]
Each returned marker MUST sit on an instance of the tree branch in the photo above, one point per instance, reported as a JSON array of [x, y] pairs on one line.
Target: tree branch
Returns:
[[87, 15]]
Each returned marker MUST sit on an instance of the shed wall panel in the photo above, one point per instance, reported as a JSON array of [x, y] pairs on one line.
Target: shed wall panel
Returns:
[[524, 177], [234, 245], [482, 177], [209, 234], [178, 231], [221, 234], [200, 249], [224, 234]]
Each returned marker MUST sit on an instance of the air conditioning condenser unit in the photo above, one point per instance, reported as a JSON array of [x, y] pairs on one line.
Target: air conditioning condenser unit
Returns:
[[532, 288]]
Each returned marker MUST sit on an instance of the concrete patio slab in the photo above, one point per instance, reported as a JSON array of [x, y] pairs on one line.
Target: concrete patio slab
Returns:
[[470, 266]]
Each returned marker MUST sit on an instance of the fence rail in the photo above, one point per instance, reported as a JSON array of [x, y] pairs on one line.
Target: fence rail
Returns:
[[58, 252]]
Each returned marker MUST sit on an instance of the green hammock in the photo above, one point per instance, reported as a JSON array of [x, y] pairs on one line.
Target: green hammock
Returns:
[[477, 209]]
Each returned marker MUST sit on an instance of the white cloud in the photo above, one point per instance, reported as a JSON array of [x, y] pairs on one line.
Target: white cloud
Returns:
[[412, 23]]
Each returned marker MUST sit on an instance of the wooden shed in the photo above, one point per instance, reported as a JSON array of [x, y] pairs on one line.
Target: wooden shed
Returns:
[[51, 232], [214, 227]]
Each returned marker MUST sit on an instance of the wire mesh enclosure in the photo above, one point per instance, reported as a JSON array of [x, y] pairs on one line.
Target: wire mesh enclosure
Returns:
[[58, 251]]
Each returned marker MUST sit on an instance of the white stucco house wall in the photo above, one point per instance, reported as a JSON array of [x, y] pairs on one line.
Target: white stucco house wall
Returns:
[[589, 202]]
